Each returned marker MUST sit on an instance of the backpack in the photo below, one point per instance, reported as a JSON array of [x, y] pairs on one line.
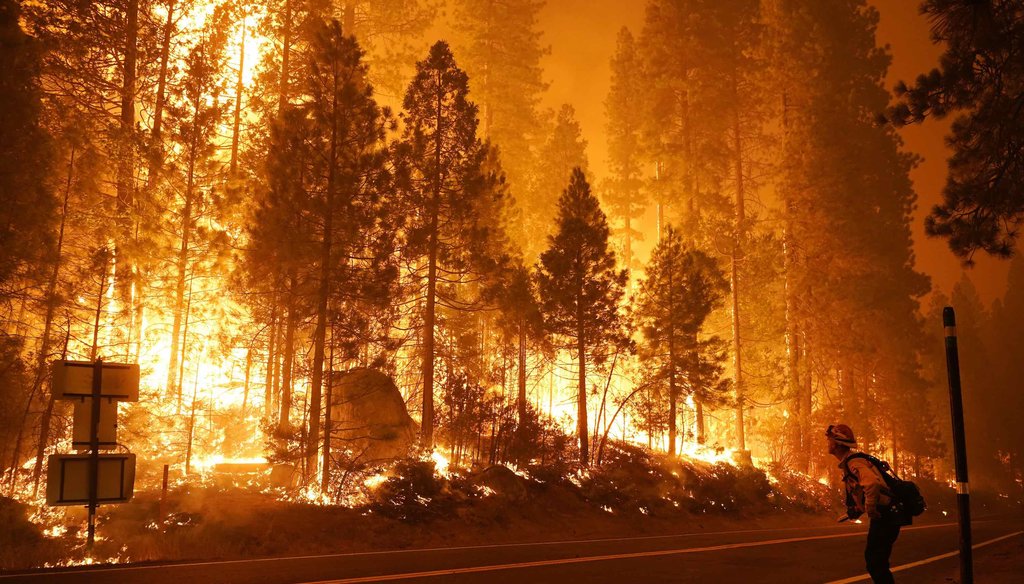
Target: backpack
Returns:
[[907, 498]]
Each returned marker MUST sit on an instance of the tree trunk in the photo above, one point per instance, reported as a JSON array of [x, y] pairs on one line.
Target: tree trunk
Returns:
[[699, 415], [286, 46], [284, 422], [521, 377], [182, 269], [239, 88], [161, 96], [325, 477], [268, 390], [125, 159], [800, 415], [427, 426], [672, 395], [245, 386], [320, 332], [734, 275], [581, 394]]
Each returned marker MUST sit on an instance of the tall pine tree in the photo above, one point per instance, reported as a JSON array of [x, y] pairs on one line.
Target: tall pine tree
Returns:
[[580, 290]]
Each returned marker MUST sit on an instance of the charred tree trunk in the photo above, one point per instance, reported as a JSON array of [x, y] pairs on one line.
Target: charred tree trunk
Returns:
[[672, 390], [181, 267], [325, 477], [581, 394], [291, 323], [324, 292], [126, 215], [245, 386], [427, 426], [737, 255], [270, 385], [699, 415], [521, 377]]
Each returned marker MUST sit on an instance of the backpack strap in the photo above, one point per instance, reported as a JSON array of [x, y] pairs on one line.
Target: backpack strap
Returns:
[[888, 475]]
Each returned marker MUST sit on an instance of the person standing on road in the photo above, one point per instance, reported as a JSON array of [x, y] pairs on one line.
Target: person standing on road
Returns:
[[867, 492]]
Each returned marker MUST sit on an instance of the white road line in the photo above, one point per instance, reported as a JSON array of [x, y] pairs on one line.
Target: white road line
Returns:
[[902, 567], [127, 567], [587, 559]]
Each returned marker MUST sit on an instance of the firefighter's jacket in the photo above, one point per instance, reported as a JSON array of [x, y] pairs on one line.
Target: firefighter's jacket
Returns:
[[866, 489]]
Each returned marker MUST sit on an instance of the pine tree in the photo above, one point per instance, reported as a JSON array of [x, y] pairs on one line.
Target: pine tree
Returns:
[[29, 205], [30, 258], [580, 289], [565, 150], [108, 91], [681, 288], [1008, 335], [195, 115], [978, 82], [392, 33], [847, 205], [499, 44], [452, 200], [624, 194], [348, 130]]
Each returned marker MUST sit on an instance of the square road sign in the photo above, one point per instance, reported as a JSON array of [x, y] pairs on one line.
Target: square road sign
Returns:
[[67, 479], [73, 379]]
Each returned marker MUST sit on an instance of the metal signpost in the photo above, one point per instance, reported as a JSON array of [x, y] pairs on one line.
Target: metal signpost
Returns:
[[93, 478], [956, 405]]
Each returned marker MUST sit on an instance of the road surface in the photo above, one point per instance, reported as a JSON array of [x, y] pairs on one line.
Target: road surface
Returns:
[[924, 553]]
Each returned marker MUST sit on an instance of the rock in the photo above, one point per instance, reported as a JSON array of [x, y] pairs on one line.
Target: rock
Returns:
[[369, 418], [503, 481]]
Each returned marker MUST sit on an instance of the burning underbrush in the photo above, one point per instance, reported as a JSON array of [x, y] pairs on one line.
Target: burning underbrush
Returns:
[[242, 511], [413, 502]]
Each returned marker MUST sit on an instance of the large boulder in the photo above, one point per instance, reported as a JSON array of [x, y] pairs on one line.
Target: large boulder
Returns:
[[368, 417], [502, 481]]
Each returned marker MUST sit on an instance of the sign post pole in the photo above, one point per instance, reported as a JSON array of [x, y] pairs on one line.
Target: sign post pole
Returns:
[[94, 450], [956, 406]]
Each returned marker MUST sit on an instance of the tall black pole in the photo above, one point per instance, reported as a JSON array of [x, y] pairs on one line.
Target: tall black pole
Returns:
[[956, 406], [94, 449]]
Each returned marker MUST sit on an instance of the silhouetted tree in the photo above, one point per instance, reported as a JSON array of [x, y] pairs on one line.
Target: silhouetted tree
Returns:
[[580, 289], [454, 200], [564, 150], [978, 80], [681, 288]]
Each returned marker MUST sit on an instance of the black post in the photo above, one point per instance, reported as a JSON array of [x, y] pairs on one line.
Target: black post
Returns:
[[94, 450], [963, 492]]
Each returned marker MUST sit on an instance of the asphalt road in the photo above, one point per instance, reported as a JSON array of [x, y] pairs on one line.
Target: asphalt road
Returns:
[[792, 556]]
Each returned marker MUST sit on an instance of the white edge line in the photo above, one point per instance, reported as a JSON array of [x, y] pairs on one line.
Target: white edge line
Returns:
[[587, 559], [172, 564], [902, 567], [129, 567]]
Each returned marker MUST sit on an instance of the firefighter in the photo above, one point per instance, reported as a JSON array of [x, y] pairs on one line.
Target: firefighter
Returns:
[[867, 492]]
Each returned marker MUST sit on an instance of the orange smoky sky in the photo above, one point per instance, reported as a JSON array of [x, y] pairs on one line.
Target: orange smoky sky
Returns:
[[581, 34]]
